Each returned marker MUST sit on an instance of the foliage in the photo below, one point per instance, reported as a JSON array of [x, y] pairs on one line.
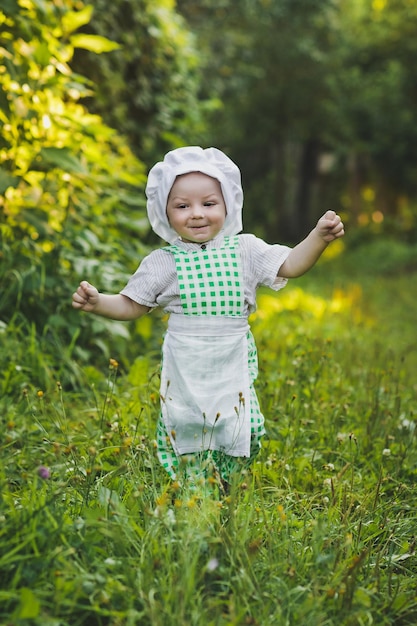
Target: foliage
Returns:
[[376, 103], [271, 63], [319, 108], [72, 203], [387, 255], [148, 87], [321, 531]]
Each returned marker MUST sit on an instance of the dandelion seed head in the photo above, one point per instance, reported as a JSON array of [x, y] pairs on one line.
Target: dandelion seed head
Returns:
[[170, 517], [407, 424]]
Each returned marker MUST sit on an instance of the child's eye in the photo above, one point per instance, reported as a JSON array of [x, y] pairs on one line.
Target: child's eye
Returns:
[[209, 203]]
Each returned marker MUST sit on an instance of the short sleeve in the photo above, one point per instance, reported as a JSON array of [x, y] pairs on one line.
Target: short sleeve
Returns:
[[264, 261], [150, 279]]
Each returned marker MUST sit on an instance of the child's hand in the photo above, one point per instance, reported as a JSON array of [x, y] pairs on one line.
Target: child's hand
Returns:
[[330, 226], [86, 297]]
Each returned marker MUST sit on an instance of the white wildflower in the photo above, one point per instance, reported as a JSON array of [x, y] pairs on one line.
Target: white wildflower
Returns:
[[212, 565]]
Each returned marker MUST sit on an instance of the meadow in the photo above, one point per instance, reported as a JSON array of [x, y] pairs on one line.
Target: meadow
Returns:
[[320, 532]]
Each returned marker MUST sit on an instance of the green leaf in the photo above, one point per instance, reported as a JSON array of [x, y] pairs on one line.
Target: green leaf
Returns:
[[42, 54], [62, 158], [29, 604], [94, 43], [10, 7], [6, 181]]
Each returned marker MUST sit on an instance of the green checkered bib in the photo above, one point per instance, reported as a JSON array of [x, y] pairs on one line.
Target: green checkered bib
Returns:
[[210, 281]]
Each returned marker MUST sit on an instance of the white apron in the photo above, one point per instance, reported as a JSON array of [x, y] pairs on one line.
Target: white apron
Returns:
[[205, 383]]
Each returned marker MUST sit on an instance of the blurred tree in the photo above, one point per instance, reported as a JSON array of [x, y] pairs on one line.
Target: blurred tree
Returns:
[[148, 87], [319, 106], [268, 62], [377, 107]]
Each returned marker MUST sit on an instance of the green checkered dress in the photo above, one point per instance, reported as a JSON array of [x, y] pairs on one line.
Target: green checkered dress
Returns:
[[211, 283]]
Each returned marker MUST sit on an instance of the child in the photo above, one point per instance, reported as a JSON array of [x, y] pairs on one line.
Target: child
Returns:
[[210, 421]]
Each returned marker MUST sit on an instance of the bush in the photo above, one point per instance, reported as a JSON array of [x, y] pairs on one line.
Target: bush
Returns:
[[72, 191]]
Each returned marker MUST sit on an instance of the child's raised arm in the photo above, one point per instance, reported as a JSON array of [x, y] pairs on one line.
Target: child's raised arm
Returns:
[[116, 307], [307, 252]]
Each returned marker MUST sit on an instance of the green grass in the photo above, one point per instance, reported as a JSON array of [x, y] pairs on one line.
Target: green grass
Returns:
[[320, 532]]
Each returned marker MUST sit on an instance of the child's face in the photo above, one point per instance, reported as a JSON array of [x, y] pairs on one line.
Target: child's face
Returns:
[[195, 207]]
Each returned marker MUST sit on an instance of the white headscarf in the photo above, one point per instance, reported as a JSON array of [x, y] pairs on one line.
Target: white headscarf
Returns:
[[210, 161]]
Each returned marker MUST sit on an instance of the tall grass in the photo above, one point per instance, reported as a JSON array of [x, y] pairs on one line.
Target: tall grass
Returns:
[[321, 531]]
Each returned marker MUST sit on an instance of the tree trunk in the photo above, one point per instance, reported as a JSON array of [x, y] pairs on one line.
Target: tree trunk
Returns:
[[302, 220]]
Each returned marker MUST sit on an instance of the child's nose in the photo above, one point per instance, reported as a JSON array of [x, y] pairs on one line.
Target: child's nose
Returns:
[[197, 211]]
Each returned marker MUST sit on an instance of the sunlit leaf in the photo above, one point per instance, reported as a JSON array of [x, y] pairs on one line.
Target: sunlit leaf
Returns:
[[42, 54], [94, 43], [74, 19]]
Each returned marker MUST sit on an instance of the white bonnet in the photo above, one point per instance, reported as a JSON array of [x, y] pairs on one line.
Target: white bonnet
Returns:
[[210, 161]]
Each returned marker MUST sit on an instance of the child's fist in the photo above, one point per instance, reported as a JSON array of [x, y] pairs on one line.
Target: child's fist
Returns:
[[330, 226], [86, 297]]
